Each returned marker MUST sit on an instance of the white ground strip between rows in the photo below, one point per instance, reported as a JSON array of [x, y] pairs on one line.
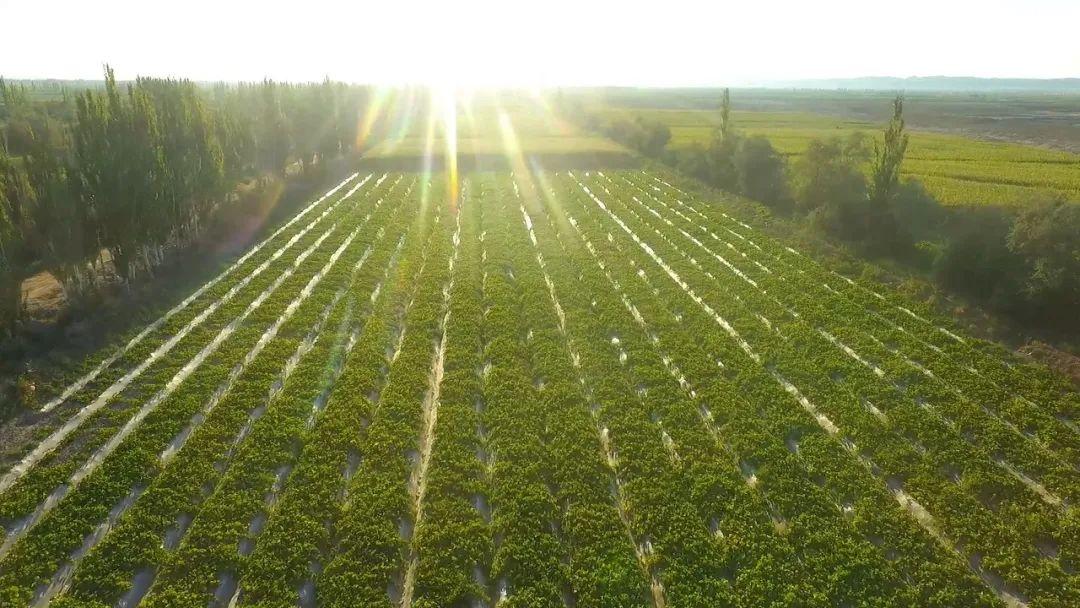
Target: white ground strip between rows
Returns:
[[306, 593], [55, 438], [674, 371], [917, 511], [149, 406], [144, 579], [229, 585], [642, 551], [1005, 366], [1042, 492], [61, 580], [89, 376], [418, 477]]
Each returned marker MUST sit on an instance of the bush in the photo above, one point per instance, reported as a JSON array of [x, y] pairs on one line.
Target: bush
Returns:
[[828, 174], [692, 160], [976, 261], [723, 172], [917, 211], [762, 173], [650, 137], [1046, 236]]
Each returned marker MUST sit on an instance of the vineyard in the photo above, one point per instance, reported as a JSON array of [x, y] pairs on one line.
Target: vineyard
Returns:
[[572, 388]]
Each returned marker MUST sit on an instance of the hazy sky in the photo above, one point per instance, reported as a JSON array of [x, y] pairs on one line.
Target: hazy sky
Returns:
[[476, 42]]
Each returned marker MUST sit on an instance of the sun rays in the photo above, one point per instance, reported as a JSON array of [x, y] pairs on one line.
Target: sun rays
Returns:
[[448, 130]]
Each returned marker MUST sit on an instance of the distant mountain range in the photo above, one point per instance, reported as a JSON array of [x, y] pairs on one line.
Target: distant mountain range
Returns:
[[930, 84], [934, 83]]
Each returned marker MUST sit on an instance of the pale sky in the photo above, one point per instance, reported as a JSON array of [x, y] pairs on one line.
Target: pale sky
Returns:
[[546, 42]]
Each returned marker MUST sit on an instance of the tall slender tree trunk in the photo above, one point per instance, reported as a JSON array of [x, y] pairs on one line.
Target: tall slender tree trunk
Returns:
[[11, 302], [122, 263]]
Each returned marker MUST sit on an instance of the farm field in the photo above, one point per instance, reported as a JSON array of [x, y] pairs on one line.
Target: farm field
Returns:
[[544, 388], [958, 170], [491, 128]]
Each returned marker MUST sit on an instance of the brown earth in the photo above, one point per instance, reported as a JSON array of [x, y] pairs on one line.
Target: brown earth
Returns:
[[1058, 360], [44, 297]]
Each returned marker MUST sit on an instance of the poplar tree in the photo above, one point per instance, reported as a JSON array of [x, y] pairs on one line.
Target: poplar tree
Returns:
[[330, 142], [272, 139], [724, 146], [120, 170], [193, 164], [724, 130], [64, 238], [885, 171], [15, 194], [882, 232], [136, 169]]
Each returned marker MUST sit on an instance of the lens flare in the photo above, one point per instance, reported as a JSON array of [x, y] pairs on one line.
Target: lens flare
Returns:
[[444, 99], [370, 116], [514, 155]]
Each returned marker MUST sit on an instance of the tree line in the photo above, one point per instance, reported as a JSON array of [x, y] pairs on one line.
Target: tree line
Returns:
[[1022, 262], [106, 181]]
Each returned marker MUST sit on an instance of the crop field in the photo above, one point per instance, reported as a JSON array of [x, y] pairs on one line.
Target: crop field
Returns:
[[556, 388], [958, 170], [483, 127]]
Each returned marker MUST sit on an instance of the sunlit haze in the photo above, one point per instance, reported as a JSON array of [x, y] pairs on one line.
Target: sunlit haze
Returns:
[[480, 42]]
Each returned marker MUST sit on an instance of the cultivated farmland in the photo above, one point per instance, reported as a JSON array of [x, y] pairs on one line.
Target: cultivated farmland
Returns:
[[544, 388], [958, 170], [486, 130]]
